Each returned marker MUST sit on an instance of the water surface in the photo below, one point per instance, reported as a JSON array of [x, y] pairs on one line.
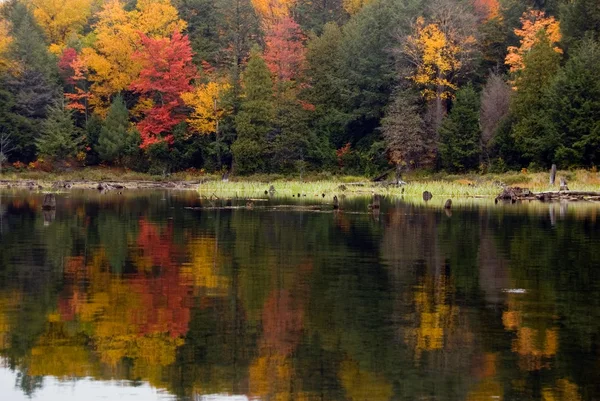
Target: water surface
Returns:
[[139, 296]]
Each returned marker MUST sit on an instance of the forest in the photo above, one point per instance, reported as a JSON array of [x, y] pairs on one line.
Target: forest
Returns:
[[294, 86]]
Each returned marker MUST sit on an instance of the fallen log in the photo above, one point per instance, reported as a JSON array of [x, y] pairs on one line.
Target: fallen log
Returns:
[[514, 194]]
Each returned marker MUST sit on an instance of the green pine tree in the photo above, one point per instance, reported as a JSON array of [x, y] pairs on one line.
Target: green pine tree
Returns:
[[255, 120], [114, 132], [574, 103], [460, 133], [533, 131], [579, 18], [59, 139]]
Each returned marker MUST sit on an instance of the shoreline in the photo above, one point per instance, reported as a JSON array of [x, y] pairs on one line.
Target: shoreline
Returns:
[[104, 185]]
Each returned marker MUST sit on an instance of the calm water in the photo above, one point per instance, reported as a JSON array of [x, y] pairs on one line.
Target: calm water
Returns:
[[137, 297]]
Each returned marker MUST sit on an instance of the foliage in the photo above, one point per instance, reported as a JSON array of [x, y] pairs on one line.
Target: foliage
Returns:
[[115, 132], [533, 23], [254, 121], [574, 104], [533, 131], [184, 73], [207, 102], [284, 53], [59, 139], [460, 134], [167, 72]]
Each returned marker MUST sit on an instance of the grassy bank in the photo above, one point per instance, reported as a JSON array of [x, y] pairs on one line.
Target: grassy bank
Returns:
[[440, 184]]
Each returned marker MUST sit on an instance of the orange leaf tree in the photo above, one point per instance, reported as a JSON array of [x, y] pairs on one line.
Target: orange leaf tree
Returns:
[[532, 21]]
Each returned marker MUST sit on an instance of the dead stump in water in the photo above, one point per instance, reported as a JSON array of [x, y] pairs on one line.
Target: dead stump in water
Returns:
[[448, 204], [427, 196], [49, 202]]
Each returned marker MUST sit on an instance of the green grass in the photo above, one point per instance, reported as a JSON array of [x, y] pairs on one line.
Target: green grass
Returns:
[[314, 185]]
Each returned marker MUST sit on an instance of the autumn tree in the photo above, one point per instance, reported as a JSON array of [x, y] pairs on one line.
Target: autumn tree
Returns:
[[61, 19], [440, 51], [74, 72], [5, 43], [532, 23], [487, 9], [460, 135], [495, 106], [271, 11], [208, 106], [404, 132], [117, 36], [167, 73], [255, 119], [284, 53]]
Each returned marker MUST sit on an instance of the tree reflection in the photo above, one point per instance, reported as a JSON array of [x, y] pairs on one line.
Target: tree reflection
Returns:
[[489, 304]]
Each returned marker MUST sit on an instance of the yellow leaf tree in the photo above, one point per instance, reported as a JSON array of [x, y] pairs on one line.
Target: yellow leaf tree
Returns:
[[532, 21], [439, 51], [271, 11], [60, 19], [207, 104], [117, 32], [354, 6], [5, 42], [434, 57]]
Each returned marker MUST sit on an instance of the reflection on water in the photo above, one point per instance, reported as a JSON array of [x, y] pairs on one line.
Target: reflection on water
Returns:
[[138, 296]]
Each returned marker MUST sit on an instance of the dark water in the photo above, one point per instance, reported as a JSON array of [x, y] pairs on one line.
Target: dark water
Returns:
[[136, 297]]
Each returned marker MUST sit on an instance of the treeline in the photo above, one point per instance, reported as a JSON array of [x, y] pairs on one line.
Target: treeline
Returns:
[[283, 86]]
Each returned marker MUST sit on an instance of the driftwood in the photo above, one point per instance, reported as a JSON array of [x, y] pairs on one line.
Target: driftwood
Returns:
[[384, 175], [514, 194]]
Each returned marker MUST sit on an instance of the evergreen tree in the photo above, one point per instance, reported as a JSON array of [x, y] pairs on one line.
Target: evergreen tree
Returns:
[[59, 139], [254, 122], [574, 107], [533, 131], [115, 130], [460, 134], [325, 90], [30, 88], [578, 18]]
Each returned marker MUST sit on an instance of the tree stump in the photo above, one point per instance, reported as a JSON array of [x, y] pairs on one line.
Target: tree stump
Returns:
[[427, 196], [448, 204], [563, 184], [376, 201], [553, 175], [49, 202], [336, 203]]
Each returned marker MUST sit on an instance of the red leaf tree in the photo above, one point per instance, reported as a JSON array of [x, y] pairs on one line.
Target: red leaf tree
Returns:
[[167, 73], [285, 52], [74, 71]]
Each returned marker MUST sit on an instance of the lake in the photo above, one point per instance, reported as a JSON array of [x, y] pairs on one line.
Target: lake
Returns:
[[163, 295]]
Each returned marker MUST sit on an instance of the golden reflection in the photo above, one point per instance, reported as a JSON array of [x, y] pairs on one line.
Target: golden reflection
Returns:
[[564, 390], [534, 345], [435, 317], [362, 385]]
